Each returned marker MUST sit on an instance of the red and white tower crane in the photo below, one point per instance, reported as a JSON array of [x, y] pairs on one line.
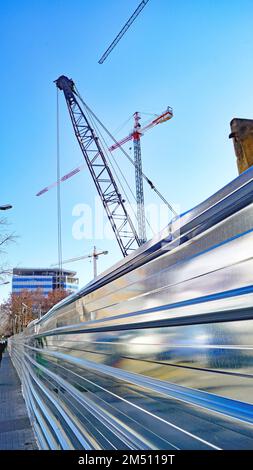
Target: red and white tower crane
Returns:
[[136, 135]]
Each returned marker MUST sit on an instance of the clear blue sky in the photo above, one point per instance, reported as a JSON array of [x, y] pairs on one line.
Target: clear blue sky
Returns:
[[194, 55]]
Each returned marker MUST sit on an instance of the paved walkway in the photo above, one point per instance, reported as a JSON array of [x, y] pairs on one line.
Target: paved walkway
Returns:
[[15, 428]]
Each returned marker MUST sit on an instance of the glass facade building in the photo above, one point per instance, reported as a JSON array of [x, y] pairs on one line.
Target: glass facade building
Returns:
[[45, 279]]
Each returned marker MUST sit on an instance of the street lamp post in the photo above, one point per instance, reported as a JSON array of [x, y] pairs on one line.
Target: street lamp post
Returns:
[[24, 314], [5, 207], [15, 324]]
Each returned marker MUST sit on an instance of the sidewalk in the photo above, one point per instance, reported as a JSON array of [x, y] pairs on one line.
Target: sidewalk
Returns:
[[15, 428]]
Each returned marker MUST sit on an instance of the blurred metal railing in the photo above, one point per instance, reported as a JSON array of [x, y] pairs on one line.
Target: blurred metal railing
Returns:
[[133, 391], [158, 352]]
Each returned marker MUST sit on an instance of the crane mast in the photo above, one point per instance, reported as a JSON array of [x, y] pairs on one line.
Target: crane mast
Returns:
[[136, 134], [101, 173], [139, 180]]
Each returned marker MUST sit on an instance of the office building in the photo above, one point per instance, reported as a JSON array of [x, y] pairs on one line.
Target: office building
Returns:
[[46, 279]]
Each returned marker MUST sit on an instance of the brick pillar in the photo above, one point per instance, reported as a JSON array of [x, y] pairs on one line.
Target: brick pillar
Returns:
[[242, 134]]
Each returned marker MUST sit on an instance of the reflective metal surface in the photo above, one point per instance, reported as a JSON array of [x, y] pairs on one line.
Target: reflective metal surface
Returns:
[[157, 353]]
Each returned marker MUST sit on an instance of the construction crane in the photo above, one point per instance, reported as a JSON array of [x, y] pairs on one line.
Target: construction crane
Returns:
[[158, 120], [94, 255], [123, 30], [135, 135], [100, 170]]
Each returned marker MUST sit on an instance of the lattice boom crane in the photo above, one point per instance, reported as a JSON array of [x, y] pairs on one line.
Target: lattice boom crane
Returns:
[[100, 170]]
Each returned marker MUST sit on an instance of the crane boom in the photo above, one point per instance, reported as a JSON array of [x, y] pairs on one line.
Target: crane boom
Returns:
[[123, 30], [71, 260], [95, 254], [168, 114], [101, 173], [165, 116]]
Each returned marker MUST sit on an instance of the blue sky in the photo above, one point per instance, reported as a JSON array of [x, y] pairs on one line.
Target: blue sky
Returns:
[[193, 55]]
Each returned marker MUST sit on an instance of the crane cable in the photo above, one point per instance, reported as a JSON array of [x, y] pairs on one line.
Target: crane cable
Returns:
[[122, 125], [58, 169], [151, 184]]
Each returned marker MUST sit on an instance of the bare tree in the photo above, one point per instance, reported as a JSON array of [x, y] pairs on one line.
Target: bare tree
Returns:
[[21, 308], [6, 237], [5, 319]]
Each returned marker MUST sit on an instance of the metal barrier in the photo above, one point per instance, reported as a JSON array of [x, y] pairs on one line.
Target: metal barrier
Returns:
[[155, 354]]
